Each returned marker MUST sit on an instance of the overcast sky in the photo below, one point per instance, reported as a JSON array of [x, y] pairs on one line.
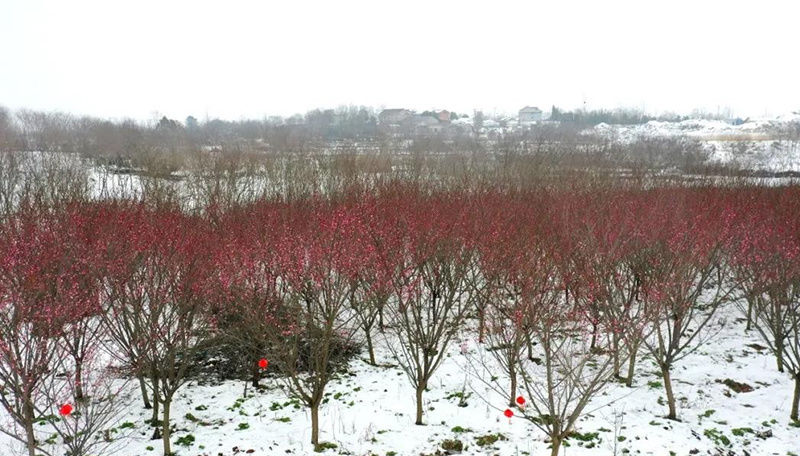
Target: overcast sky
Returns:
[[235, 59]]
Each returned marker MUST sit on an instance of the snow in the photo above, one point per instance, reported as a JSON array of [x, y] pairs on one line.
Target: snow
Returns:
[[696, 128], [370, 410], [767, 155], [754, 145]]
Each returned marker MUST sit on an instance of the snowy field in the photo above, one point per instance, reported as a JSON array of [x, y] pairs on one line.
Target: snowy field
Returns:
[[370, 411], [699, 128], [754, 145]]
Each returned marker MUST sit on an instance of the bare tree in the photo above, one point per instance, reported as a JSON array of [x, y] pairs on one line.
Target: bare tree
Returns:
[[764, 259], [314, 323], [430, 292], [557, 386], [12, 178], [98, 409], [684, 281]]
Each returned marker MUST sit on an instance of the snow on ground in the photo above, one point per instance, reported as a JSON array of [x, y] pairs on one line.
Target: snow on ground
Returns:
[[698, 128], [753, 145], [767, 155], [370, 411]]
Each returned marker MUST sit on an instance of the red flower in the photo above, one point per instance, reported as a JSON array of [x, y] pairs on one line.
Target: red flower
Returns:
[[263, 363], [65, 410], [520, 400], [508, 413]]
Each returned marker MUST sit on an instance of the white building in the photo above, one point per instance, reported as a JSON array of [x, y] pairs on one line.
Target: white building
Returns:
[[529, 115]]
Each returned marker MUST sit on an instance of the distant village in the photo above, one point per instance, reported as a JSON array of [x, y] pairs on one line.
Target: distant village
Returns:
[[405, 121], [402, 122]]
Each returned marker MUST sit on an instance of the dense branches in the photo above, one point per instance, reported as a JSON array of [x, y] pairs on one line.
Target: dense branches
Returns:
[[765, 258], [581, 279]]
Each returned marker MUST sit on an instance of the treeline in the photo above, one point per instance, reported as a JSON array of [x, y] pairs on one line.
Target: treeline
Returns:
[[570, 286], [630, 116], [597, 116], [298, 159], [27, 130], [328, 150]]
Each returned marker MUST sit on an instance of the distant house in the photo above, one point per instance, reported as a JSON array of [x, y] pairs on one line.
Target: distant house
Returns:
[[394, 116], [426, 124], [491, 123], [529, 114], [444, 116]]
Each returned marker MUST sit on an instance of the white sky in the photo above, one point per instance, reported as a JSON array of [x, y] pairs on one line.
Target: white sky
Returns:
[[234, 59]]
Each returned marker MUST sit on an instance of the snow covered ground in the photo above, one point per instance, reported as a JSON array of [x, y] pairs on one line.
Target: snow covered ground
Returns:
[[699, 128], [756, 145], [766, 155], [370, 411]]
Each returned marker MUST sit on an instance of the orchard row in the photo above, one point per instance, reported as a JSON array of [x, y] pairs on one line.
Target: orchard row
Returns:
[[591, 279]]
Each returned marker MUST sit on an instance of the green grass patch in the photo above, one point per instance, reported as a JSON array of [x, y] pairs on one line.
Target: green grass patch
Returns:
[[489, 439], [323, 446], [186, 441], [717, 437]]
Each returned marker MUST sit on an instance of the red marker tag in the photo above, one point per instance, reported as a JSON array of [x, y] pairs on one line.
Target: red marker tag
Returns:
[[263, 363], [65, 410]]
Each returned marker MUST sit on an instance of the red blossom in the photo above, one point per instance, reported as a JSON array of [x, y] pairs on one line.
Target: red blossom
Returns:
[[65, 410]]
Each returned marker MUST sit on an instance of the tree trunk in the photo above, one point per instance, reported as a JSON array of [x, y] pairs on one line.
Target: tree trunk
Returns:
[[381, 326], [530, 346], [555, 446], [420, 389], [256, 376], [165, 430], [481, 322], [673, 415], [145, 396], [156, 400], [154, 418], [749, 315], [796, 399], [78, 380], [631, 366], [370, 347], [30, 437], [513, 374], [615, 347], [315, 425], [779, 350]]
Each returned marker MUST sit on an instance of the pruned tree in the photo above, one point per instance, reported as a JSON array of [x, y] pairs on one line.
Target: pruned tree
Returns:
[[609, 242], [430, 293], [122, 297], [42, 290], [573, 364], [248, 284], [571, 372], [174, 276], [510, 263], [156, 301], [765, 259], [683, 260], [377, 270], [87, 428], [314, 322]]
